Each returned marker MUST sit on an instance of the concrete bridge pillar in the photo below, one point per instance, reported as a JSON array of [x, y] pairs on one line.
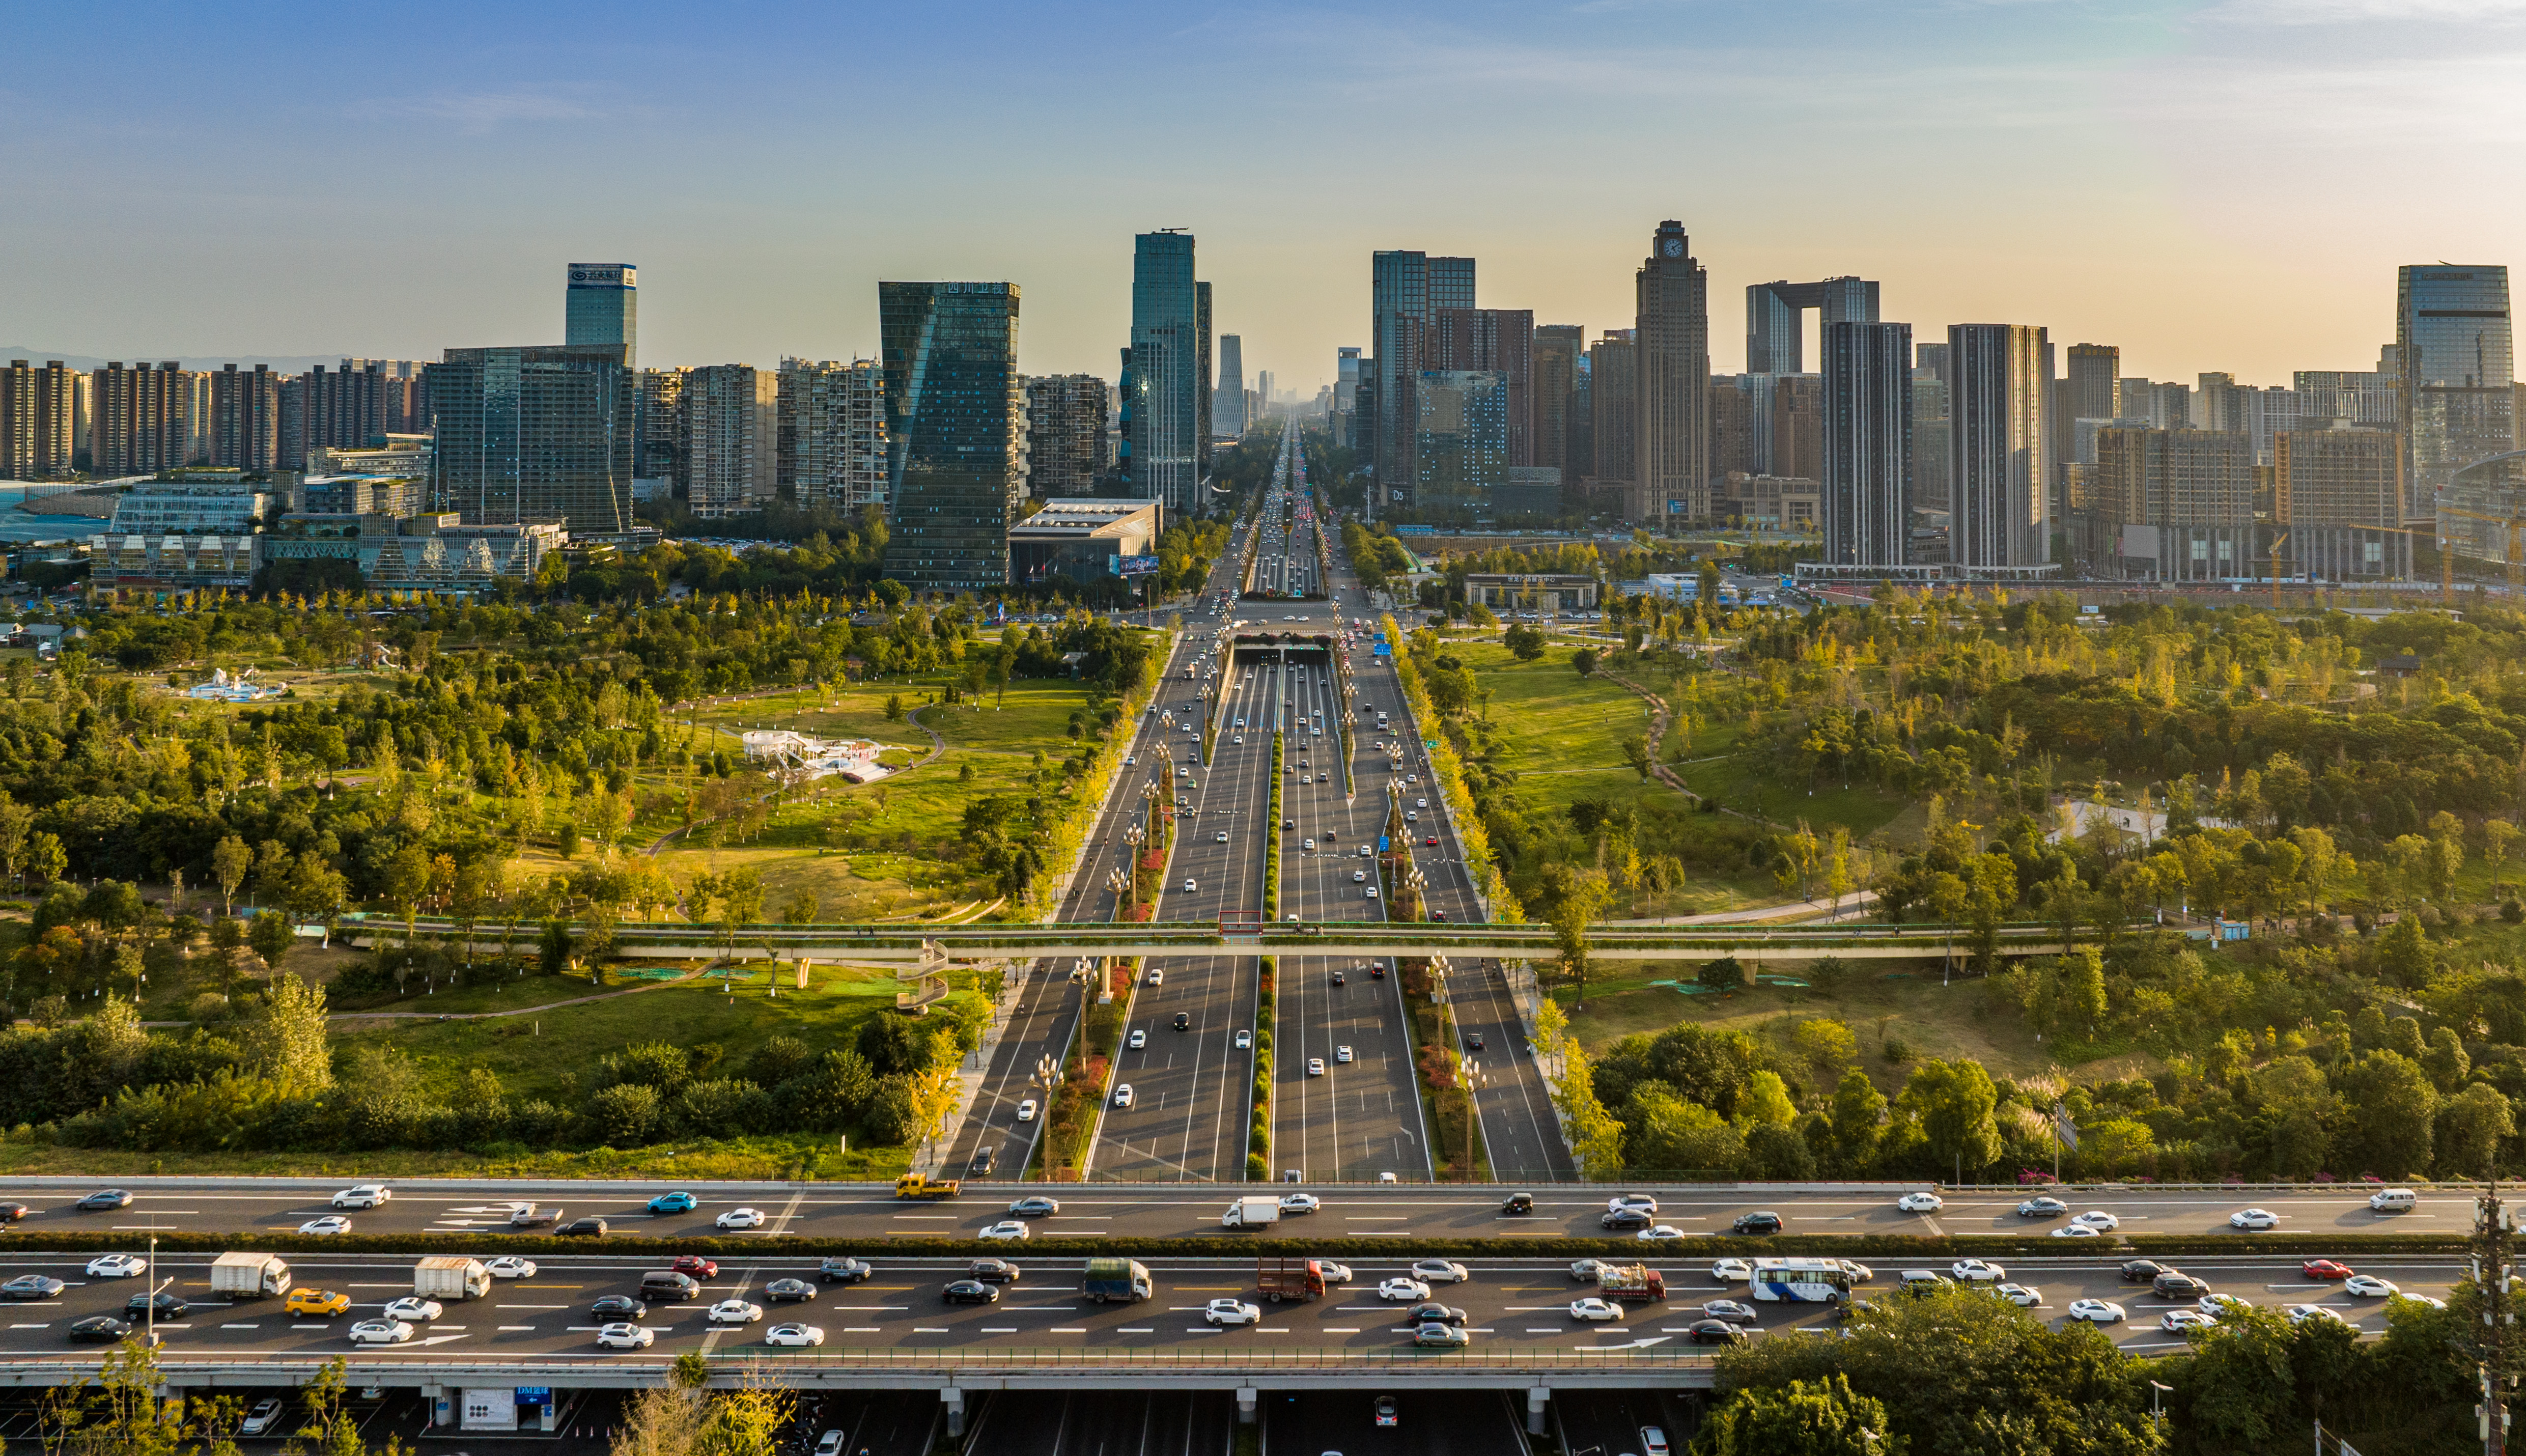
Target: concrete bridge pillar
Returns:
[[1245, 1401], [1537, 1398], [954, 1400]]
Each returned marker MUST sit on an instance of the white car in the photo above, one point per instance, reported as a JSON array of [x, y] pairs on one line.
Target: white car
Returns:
[[1226, 1312], [2076, 1230], [1359, 877], [625, 1336], [2433, 1301], [329, 1224], [2299, 1314], [2254, 1218], [1157, 977], [365, 1196], [734, 1312], [1977, 1272], [510, 1267], [1658, 1233], [1860, 1274], [1008, 1230], [2186, 1321], [1334, 1274], [380, 1333], [1403, 1289], [2097, 1219], [2097, 1311], [1222, 837], [1139, 1038], [1026, 1111], [1642, 1201], [1596, 1310], [1731, 1270], [266, 1415], [2024, 1296], [1341, 1054], [1370, 891], [1123, 1095], [2215, 1305], [1300, 1203], [794, 1337], [117, 1267], [1244, 1040], [414, 1307], [741, 1218], [2369, 1286], [1438, 1272], [1315, 1065]]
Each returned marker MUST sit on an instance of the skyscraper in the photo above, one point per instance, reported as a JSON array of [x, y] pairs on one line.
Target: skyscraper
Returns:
[[1461, 455], [1673, 323], [1614, 396], [535, 434], [953, 405], [1170, 428], [36, 408], [1228, 403], [245, 419], [1929, 438], [136, 419], [2453, 338], [1406, 288], [604, 308], [1202, 380], [833, 434], [1557, 347], [1775, 333], [1066, 443], [659, 415], [1998, 455], [2095, 384], [1497, 340], [1867, 494]]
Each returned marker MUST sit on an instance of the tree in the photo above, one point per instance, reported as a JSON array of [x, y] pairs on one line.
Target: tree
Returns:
[[271, 937], [46, 860], [1820, 1417], [407, 879], [2393, 1108], [2470, 1128], [1636, 752], [229, 862], [1954, 1103], [2404, 953], [1575, 898], [1584, 661], [1858, 1119], [1765, 1102], [1525, 643], [289, 1039], [2499, 835], [1727, 973], [1825, 1043], [1670, 1136]]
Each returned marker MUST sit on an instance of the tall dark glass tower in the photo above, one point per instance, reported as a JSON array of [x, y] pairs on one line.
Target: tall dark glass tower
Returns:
[[1169, 357], [535, 434], [953, 405], [604, 308], [1867, 442], [2457, 343]]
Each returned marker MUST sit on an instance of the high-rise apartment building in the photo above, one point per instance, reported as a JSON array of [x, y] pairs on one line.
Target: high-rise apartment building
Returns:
[[1774, 319], [2096, 382], [323, 408], [1614, 426], [1999, 445], [1929, 436], [1867, 480], [1673, 332], [604, 307], [245, 419], [2455, 341], [1170, 426], [1066, 442], [1203, 374], [2340, 493], [1500, 342], [36, 413], [952, 404], [535, 434], [1461, 455], [2175, 505], [832, 433], [1406, 289], [659, 419], [1734, 408], [731, 438], [1557, 349], [138, 425], [1228, 403]]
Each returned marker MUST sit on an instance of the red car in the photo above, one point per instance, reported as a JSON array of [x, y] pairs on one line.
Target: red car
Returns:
[[696, 1266], [1431, 841], [2325, 1269]]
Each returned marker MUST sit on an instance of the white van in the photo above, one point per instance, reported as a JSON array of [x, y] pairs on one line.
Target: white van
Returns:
[[2391, 1200]]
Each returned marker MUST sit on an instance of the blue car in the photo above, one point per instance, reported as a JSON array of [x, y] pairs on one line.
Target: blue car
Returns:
[[677, 1202]]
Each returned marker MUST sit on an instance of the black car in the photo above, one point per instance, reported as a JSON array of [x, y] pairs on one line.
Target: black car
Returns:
[[995, 1270], [582, 1228], [618, 1307], [1630, 1218], [2173, 1285], [843, 1270], [32, 1287], [1757, 1223], [984, 1160], [970, 1291], [1519, 1203], [11, 1213], [1714, 1333], [1475, 1040], [169, 1306], [99, 1329], [1183, 1020], [2145, 1270], [1424, 1313], [104, 1200], [780, 1291]]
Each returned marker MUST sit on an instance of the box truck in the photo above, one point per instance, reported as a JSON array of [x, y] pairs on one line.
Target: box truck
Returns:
[[1289, 1278], [1252, 1213], [450, 1276], [249, 1275], [1117, 1280]]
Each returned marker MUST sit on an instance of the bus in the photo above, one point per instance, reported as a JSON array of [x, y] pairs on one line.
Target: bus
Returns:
[[1800, 1281]]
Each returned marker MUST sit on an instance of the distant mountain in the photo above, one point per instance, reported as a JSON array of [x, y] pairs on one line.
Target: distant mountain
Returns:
[[288, 364]]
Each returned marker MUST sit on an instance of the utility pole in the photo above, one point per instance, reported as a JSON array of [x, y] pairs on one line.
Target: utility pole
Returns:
[[2493, 1229]]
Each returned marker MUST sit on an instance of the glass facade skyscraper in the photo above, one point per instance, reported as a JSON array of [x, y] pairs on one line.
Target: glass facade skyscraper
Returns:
[[953, 403], [604, 307], [1169, 425], [1867, 486], [1999, 445], [1406, 289], [1461, 452], [534, 435], [2453, 338]]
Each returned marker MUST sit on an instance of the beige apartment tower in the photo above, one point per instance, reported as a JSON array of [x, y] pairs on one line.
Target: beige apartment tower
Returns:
[[732, 432], [1672, 329], [37, 406]]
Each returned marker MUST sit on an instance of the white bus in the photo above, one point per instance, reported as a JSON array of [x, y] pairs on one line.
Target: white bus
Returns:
[[1801, 1280]]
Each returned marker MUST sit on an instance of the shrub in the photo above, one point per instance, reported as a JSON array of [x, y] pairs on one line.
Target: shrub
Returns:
[[625, 1115]]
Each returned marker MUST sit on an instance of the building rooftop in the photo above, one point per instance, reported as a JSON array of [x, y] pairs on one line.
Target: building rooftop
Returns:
[[1076, 517]]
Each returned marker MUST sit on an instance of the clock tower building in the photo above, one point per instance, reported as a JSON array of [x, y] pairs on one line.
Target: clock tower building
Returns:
[[1671, 469]]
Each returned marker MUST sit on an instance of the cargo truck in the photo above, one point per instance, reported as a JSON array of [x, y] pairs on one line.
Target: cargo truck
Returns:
[[1289, 1278], [249, 1275], [450, 1276], [1630, 1281], [1117, 1280], [916, 1186], [1252, 1213]]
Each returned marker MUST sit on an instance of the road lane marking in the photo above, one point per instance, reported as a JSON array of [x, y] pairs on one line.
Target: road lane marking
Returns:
[[1136, 1330], [511, 1329]]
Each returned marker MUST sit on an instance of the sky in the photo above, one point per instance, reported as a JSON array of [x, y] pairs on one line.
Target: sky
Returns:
[[2210, 184]]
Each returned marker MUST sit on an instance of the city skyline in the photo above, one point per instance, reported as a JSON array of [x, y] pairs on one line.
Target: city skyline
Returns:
[[1995, 138]]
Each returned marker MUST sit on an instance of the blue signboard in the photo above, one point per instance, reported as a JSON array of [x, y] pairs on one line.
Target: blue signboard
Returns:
[[1131, 565], [1381, 846], [1382, 650]]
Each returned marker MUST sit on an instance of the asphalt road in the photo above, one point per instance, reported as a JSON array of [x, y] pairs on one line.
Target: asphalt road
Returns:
[[1520, 1303], [1427, 1422], [1612, 1421], [1103, 1422]]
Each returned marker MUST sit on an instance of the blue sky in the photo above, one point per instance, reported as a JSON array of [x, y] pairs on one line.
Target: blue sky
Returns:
[[2210, 184]]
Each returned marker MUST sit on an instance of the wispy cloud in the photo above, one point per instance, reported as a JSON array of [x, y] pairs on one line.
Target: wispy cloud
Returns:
[[2355, 12], [488, 111]]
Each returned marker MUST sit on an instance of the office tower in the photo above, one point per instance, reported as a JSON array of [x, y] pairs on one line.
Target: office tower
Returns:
[[2340, 493], [1867, 479], [1929, 438], [1461, 453], [1934, 357], [1345, 422], [1793, 444], [1774, 319], [2175, 505], [1228, 405], [1406, 289], [604, 308], [1169, 426], [1999, 445], [36, 410], [1583, 427], [1497, 340], [2096, 382], [1673, 373], [2211, 404], [535, 434], [952, 397], [831, 431], [138, 421], [1202, 377], [731, 438], [659, 420], [1263, 389], [1614, 389], [2453, 339], [1557, 347], [1066, 442], [1733, 450], [245, 419]]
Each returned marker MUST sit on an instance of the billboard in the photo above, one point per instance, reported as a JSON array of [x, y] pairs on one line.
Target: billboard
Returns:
[[1131, 565]]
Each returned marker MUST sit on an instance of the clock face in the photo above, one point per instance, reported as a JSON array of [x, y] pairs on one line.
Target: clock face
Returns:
[[1675, 247]]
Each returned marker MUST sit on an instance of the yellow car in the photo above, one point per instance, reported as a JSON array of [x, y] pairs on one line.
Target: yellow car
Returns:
[[318, 1302]]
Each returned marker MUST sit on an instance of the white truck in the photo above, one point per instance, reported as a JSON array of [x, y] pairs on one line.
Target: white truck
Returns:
[[1252, 1213], [450, 1276], [249, 1275]]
